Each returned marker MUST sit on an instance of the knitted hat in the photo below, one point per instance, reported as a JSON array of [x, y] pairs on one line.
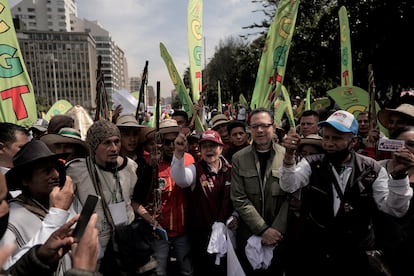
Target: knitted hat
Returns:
[[99, 131]]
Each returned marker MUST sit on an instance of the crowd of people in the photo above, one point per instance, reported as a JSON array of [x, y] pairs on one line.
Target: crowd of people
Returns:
[[318, 199]]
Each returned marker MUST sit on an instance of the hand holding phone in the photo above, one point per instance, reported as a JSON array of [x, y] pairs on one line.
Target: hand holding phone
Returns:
[[87, 211]]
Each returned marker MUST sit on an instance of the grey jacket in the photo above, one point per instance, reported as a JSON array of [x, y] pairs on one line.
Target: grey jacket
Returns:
[[260, 204]]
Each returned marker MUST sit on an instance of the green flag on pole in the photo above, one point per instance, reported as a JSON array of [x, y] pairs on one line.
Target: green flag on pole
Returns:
[[183, 95], [219, 104], [346, 54], [243, 101], [273, 61], [194, 29], [17, 101], [280, 108], [308, 99], [289, 109], [185, 99]]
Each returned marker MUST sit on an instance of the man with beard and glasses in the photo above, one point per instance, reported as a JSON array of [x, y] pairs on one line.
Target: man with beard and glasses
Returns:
[[344, 193]]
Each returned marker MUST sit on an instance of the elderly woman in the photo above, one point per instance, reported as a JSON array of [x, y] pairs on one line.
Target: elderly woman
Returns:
[[210, 202]]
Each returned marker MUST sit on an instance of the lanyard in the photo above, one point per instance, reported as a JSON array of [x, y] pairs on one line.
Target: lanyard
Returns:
[[116, 189]]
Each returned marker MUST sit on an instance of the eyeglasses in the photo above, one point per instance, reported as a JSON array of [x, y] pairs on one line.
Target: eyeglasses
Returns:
[[264, 126]]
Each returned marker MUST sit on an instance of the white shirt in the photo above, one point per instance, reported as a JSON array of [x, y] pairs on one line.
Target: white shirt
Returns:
[[391, 196]]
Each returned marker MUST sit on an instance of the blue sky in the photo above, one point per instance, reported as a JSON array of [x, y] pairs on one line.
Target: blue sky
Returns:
[[138, 27]]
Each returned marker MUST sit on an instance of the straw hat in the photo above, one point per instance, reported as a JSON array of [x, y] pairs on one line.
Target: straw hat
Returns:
[[127, 121], [311, 139], [219, 119], [166, 126], [406, 110]]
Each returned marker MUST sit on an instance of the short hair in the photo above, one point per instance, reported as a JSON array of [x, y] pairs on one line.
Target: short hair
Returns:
[[235, 123], [262, 110], [178, 112], [8, 132], [363, 113], [308, 113]]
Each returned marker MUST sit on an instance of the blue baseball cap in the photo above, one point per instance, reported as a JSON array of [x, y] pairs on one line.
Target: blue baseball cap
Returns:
[[342, 121]]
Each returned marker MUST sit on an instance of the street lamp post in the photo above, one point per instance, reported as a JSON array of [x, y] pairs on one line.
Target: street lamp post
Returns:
[[54, 76]]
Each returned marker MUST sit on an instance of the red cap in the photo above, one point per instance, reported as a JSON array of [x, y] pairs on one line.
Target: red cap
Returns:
[[211, 135]]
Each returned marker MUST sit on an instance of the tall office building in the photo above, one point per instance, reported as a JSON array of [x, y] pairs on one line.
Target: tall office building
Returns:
[[61, 65], [46, 15], [57, 21], [114, 64]]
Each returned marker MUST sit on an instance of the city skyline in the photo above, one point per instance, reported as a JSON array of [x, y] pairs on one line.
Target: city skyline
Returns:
[[165, 21]]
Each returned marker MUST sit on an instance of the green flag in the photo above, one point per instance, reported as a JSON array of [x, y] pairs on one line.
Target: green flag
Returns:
[[177, 81], [321, 103], [183, 95], [279, 107], [59, 107], [273, 61], [308, 99], [219, 104], [352, 99], [346, 54], [243, 101], [195, 37], [289, 109], [17, 101]]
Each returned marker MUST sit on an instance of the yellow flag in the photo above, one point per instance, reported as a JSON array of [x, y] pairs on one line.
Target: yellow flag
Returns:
[[195, 37], [17, 101]]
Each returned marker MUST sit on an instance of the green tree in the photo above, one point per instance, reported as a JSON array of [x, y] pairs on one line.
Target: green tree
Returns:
[[379, 31]]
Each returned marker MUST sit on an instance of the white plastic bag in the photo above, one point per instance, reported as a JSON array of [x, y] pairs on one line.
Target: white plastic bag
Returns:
[[234, 267]]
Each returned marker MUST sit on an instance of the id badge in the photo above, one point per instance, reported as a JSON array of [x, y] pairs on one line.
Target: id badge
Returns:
[[118, 212]]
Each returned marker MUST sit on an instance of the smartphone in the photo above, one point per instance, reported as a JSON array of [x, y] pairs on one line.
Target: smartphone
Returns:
[[85, 215]]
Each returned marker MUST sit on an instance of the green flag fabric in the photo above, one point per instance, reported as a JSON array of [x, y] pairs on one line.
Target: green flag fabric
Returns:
[[59, 107], [273, 61], [280, 108], [346, 54], [352, 99], [17, 101], [243, 101], [289, 109], [219, 104], [195, 37], [308, 99], [185, 99], [321, 103], [183, 95]]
